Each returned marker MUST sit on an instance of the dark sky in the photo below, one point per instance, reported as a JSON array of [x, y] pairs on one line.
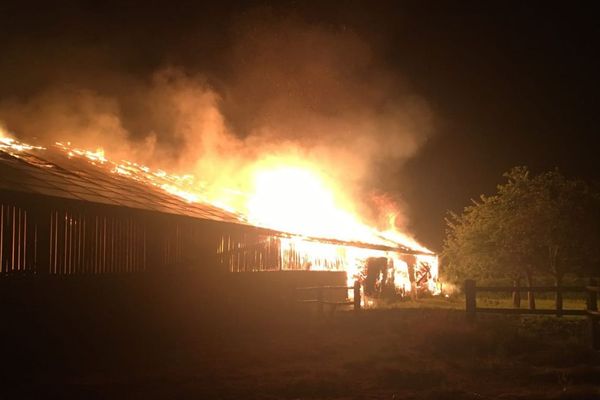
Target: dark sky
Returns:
[[509, 83]]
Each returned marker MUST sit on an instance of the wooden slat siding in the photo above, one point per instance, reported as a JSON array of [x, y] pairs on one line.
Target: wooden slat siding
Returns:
[[81, 243], [12, 244], [16, 240], [34, 256], [124, 246], [68, 243], [85, 265], [72, 269], [131, 240], [51, 244], [8, 240], [19, 244], [20, 241], [119, 247], [72, 237], [122, 264], [113, 254], [51, 236], [65, 248], [132, 246], [145, 251], [60, 244], [27, 244], [136, 246]]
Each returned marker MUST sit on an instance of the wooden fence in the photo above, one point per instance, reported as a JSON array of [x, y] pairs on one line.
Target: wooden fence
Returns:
[[321, 301], [591, 310]]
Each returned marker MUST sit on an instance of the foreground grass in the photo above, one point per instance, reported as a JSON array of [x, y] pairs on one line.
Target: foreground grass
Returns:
[[392, 354]]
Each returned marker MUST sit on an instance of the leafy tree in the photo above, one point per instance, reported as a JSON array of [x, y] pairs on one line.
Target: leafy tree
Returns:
[[541, 225]]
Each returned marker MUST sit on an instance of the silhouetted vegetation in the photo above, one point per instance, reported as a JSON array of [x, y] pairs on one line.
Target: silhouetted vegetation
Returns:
[[533, 226]]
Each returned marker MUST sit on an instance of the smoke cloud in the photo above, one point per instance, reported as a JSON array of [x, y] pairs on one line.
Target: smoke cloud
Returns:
[[287, 90]]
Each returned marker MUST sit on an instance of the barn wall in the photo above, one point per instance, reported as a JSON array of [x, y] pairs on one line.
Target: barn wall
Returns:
[[45, 236]]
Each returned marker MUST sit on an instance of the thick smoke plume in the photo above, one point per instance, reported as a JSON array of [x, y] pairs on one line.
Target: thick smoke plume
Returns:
[[288, 90]]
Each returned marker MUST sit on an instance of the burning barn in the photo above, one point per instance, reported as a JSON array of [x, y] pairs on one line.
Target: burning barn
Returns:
[[69, 212]]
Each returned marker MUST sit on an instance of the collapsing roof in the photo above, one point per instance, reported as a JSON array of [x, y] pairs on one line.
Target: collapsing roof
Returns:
[[60, 173]]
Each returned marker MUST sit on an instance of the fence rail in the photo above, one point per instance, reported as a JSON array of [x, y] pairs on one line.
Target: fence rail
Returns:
[[591, 311], [321, 302]]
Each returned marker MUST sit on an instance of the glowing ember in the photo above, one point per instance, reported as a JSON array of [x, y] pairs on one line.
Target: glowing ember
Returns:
[[294, 198]]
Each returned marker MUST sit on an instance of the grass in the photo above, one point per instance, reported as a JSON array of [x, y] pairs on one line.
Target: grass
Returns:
[[457, 302], [427, 352]]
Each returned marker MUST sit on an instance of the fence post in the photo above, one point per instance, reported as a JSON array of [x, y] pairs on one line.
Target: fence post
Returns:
[[592, 300], [517, 293], [559, 300], [320, 301], [356, 296], [470, 299], [592, 305]]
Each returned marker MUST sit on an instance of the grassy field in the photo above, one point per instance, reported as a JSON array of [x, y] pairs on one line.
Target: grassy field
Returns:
[[457, 302], [423, 350]]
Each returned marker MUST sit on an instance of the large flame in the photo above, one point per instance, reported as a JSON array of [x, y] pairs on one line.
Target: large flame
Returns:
[[289, 196]]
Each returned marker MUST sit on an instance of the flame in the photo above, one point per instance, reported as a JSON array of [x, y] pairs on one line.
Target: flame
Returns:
[[286, 195], [299, 200]]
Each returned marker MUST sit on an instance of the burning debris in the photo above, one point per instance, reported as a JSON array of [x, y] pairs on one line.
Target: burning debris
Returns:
[[318, 236]]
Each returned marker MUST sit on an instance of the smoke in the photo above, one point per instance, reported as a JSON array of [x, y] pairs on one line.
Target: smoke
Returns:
[[308, 94]]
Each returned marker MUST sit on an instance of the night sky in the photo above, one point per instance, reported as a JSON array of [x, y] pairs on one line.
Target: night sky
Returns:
[[508, 83]]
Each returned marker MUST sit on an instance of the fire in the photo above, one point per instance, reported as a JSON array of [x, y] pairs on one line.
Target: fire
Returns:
[[294, 197], [299, 200]]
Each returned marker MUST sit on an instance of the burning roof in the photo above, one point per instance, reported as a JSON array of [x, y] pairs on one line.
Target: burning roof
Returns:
[[70, 173]]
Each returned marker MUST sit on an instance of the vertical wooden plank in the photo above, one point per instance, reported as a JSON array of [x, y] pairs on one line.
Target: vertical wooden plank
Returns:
[[43, 241], [65, 244], [69, 221], [51, 237], [80, 242], [13, 239], [19, 238], [112, 243], [84, 244], [517, 293], [131, 244], [95, 244], [105, 265], [145, 248]]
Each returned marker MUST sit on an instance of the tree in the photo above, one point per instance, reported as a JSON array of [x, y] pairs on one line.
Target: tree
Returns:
[[541, 225]]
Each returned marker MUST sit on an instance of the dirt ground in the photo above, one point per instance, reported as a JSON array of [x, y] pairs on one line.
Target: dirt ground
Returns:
[[377, 354]]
